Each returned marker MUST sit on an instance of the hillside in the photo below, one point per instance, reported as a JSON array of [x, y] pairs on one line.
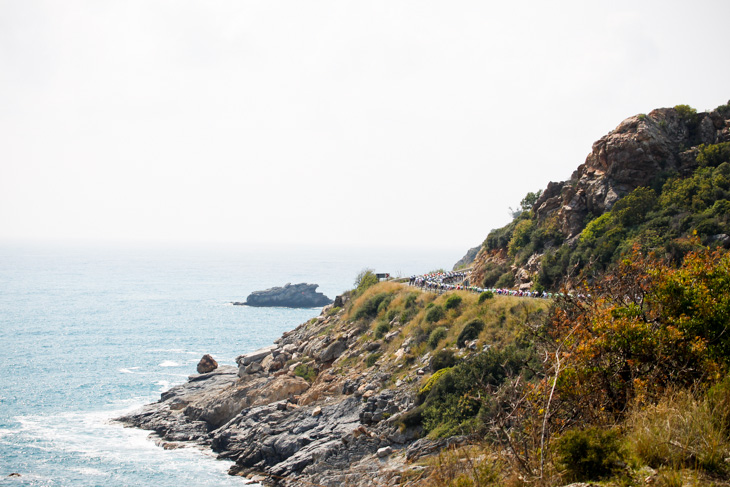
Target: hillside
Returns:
[[622, 381], [340, 399], [653, 181]]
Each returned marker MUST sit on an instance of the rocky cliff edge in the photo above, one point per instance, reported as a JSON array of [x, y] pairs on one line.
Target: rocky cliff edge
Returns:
[[304, 410]]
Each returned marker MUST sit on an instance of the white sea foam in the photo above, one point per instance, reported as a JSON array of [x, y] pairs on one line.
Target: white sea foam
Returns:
[[130, 370], [169, 363], [102, 446], [91, 471]]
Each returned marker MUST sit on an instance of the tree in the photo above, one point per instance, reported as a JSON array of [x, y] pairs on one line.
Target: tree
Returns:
[[529, 200], [526, 204], [364, 280]]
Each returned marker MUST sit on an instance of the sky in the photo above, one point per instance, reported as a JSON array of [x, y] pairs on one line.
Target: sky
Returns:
[[403, 123]]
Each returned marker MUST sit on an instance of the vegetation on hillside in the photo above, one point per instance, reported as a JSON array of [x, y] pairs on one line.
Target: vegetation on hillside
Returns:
[[623, 382], [626, 383], [660, 218]]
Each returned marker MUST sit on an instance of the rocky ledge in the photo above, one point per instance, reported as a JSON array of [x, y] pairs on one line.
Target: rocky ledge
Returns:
[[292, 413], [290, 296]]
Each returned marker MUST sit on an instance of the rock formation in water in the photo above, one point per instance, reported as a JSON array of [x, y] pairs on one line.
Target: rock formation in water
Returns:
[[290, 296]]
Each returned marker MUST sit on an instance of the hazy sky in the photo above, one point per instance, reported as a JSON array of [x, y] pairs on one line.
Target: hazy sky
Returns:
[[372, 122]]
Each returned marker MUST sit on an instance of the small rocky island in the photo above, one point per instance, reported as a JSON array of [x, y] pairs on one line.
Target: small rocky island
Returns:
[[290, 296]]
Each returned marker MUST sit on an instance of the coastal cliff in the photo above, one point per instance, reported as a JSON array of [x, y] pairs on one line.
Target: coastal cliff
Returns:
[[329, 403], [571, 229], [396, 385]]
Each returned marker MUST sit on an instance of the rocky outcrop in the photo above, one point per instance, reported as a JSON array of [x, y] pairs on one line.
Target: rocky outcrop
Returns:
[[338, 429], [636, 153], [290, 296], [468, 258]]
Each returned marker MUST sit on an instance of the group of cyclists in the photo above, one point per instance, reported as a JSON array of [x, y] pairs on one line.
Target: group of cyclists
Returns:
[[459, 281]]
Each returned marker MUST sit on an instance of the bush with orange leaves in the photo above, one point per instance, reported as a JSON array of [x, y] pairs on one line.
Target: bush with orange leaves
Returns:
[[645, 326]]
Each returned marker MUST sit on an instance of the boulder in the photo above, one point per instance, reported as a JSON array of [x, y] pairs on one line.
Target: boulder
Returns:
[[333, 351], [384, 452], [207, 364]]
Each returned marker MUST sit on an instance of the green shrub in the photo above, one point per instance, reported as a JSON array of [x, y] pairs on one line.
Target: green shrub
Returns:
[[436, 336], [426, 389], [633, 208], [456, 397], [713, 155], [500, 237], [686, 112], [391, 315], [372, 358], [470, 332], [485, 295], [589, 454], [371, 307], [506, 280], [435, 314], [306, 372], [520, 236], [385, 303], [365, 279], [492, 274], [407, 315], [381, 330], [443, 359], [453, 301]]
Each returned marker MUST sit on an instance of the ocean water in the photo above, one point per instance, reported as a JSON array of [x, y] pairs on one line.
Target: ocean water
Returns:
[[88, 332]]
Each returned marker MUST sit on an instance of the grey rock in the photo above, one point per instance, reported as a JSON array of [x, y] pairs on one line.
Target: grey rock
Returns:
[[333, 351], [256, 356], [384, 452], [372, 346], [254, 367], [290, 296]]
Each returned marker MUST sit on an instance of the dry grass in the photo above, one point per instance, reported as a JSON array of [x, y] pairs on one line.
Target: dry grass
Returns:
[[681, 430], [468, 466]]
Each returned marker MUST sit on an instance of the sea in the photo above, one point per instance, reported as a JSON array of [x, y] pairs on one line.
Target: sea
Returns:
[[90, 331]]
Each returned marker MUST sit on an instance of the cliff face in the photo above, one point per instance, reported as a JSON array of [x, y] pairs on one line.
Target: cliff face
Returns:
[[635, 154], [641, 148]]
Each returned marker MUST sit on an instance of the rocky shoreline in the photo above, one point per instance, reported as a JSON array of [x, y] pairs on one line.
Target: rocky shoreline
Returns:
[[280, 428]]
